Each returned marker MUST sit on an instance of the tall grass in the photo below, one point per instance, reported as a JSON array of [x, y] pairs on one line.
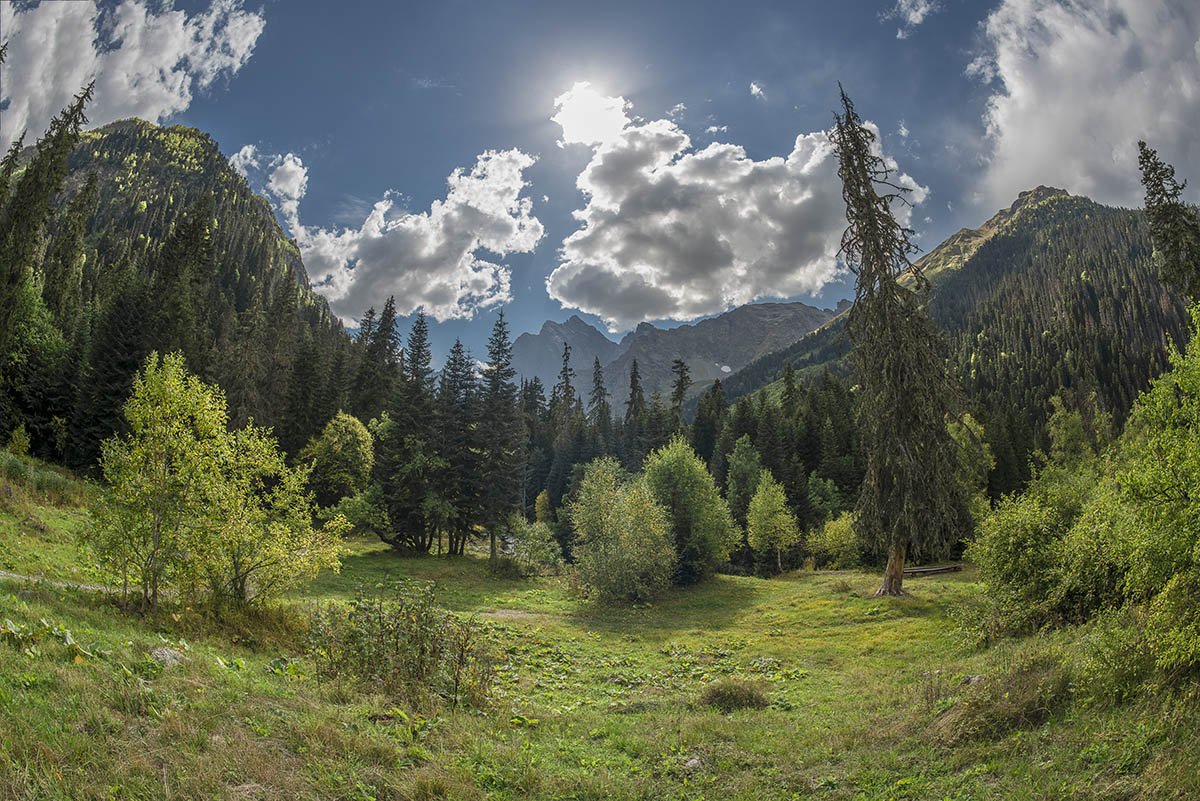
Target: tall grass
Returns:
[[23, 478]]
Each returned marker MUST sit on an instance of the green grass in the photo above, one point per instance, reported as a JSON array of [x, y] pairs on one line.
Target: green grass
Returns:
[[590, 702]]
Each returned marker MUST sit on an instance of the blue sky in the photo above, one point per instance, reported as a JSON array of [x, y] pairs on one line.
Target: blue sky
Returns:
[[712, 187]]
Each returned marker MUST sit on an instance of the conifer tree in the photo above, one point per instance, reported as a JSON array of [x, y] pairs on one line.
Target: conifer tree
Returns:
[[683, 380], [910, 501], [1174, 224], [599, 410], [27, 208], [62, 285], [710, 417], [635, 406], [501, 452]]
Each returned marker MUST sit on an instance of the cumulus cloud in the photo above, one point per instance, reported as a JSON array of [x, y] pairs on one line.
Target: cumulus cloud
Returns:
[[911, 13], [756, 90], [1075, 85], [671, 232], [147, 60], [441, 259]]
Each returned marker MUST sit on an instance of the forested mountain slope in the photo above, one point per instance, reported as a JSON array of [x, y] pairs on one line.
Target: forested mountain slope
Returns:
[[156, 243], [1057, 295]]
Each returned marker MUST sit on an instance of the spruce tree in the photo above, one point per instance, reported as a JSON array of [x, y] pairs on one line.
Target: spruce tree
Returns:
[[635, 406], [62, 285], [683, 380], [911, 501], [1174, 224], [599, 409], [503, 436], [28, 207]]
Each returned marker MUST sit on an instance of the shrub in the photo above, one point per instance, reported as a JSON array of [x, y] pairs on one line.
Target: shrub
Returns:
[[403, 644], [836, 543], [18, 441], [363, 511], [700, 521], [533, 547], [623, 546], [730, 694]]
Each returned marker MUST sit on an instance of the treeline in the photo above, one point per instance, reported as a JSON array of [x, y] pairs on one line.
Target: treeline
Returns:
[[1065, 300], [133, 239]]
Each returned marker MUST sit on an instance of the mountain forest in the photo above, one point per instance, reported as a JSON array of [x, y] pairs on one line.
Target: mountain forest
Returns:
[[938, 542]]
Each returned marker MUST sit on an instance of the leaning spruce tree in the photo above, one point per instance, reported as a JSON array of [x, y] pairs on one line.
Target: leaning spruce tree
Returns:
[[910, 502]]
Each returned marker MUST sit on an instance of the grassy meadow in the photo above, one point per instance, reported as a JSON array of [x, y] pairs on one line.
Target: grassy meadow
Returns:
[[866, 698]]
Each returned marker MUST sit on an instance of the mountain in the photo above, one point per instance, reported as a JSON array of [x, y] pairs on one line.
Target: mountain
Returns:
[[540, 355], [1055, 295], [713, 349], [156, 243]]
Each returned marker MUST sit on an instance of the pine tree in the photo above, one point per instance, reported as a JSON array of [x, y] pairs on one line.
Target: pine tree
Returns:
[[683, 380], [503, 436], [62, 285], [562, 396], [635, 406], [910, 502], [1174, 224], [418, 357], [710, 418], [599, 409], [183, 266], [27, 209]]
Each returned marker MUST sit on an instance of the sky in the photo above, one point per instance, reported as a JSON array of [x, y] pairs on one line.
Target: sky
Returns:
[[627, 162]]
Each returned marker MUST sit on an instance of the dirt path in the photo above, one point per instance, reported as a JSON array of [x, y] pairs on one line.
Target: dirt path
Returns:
[[71, 585]]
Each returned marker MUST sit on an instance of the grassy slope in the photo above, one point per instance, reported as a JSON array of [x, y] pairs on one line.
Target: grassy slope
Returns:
[[605, 700]]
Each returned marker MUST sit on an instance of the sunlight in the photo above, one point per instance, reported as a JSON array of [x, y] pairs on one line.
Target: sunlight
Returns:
[[588, 117]]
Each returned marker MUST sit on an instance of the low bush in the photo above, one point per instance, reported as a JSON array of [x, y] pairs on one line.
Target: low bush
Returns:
[[404, 644], [533, 549], [836, 545], [730, 694]]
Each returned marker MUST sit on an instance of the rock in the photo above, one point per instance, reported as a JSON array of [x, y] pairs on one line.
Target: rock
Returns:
[[25, 595], [168, 657], [694, 763], [967, 681]]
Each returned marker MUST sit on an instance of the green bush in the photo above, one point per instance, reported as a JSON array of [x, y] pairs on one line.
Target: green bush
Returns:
[[18, 441], [623, 548], [835, 544], [364, 511], [403, 644], [730, 694], [701, 524], [533, 548]]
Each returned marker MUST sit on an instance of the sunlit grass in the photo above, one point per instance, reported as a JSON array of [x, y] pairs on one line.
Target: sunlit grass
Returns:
[[591, 702]]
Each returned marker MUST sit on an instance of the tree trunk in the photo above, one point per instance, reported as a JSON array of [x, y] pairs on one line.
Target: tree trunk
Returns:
[[779, 559], [893, 575]]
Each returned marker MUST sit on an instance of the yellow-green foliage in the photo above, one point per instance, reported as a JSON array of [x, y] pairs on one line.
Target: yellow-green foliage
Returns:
[[700, 520], [623, 549], [836, 544], [534, 548], [342, 458], [190, 504], [18, 441], [770, 524]]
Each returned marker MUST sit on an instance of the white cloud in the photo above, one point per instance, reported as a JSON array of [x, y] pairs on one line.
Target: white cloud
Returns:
[[911, 13], [715, 129], [146, 62], [902, 130], [676, 111], [588, 117], [435, 259], [288, 181], [1077, 84], [669, 231], [756, 90]]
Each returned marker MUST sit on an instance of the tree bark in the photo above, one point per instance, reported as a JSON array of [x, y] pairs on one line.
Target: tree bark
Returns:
[[893, 575]]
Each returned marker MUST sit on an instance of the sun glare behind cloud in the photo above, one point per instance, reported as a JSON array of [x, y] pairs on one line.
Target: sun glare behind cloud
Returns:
[[588, 117]]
